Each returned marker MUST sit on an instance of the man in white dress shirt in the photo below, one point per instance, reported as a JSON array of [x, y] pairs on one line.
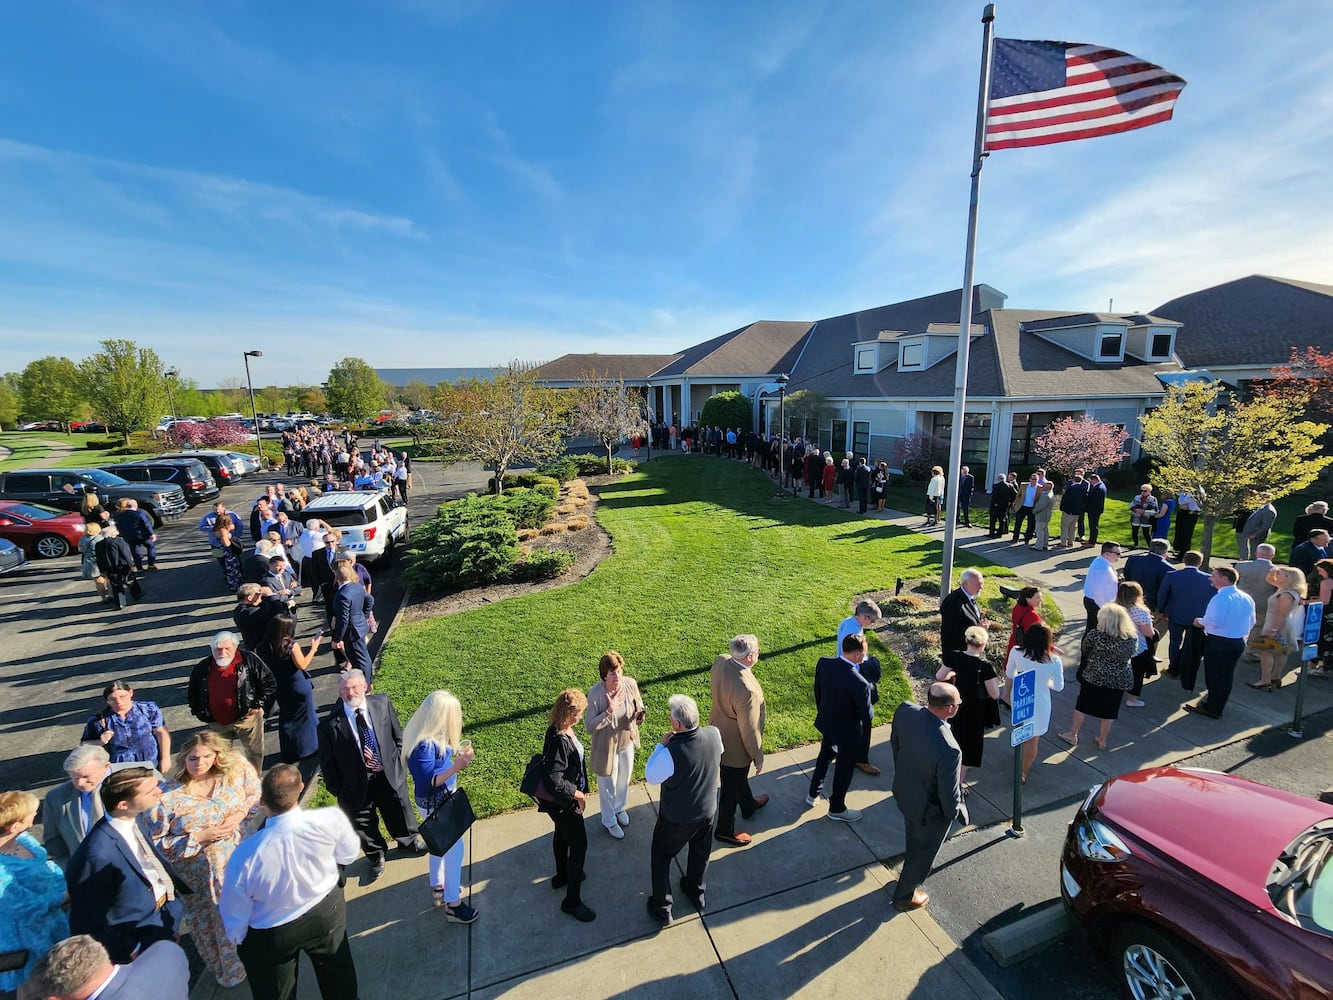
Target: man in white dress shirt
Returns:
[[1225, 624], [1101, 583], [282, 894]]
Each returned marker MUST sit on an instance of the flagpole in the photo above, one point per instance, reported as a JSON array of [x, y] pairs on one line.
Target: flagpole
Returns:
[[965, 321]]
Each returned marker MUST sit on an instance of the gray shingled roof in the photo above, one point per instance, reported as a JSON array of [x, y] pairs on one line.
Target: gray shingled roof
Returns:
[[431, 376], [631, 366], [768, 346], [1251, 321]]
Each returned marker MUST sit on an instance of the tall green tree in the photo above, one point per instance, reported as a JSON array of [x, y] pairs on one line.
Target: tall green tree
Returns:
[[51, 388], [9, 407], [1231, 455], [312, 400], [125, 386], [354, 391], [807, 411], [727, 409], [606, 410], [416, 395], [502, 422]]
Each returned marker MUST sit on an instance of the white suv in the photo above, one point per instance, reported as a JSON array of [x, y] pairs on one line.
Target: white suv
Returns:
[[372, 527]]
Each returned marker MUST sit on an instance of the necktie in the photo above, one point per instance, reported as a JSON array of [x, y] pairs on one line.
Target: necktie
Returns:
[[153, 867], [370, 750], [85, 812]]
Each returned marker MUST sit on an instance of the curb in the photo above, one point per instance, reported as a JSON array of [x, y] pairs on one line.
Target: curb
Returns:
[[1028, 935]]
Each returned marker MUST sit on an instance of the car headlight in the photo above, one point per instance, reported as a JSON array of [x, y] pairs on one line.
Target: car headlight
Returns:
[[1097, 842]]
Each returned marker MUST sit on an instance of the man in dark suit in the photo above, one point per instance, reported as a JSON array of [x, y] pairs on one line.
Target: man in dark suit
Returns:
[[1183, 597], [1315, 516], [351, 607], [842, 716], [959, 610], [967, 485], [927, 786], [360, 756], [322, 575], [122, 890], [1148, 570], [79, 967], [1094, 506], [1310, 551], [862, 481], [71, 809], [283, 583]]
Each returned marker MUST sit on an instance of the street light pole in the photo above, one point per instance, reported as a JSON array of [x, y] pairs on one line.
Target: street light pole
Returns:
[[782, 432], [254, 414], [171, 374]]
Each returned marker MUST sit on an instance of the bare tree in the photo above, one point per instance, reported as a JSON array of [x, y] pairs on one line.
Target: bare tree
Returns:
[[606, 410]]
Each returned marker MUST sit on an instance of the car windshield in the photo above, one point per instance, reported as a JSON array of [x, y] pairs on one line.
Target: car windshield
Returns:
[[33, 512], [340, 518], [103, 478], [1301, 882]]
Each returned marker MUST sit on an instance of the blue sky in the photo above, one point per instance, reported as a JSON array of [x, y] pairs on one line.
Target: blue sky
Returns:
[[459, 182]]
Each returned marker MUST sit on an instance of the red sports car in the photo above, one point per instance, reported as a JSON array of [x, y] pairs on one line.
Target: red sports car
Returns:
[[40, 531], [1204, 885]]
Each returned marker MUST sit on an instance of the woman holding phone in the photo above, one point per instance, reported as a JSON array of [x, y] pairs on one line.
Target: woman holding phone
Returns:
[[298, 719], [615, 711]]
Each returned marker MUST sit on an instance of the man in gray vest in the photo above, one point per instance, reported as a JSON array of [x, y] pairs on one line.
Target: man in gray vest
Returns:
[[686, 763]]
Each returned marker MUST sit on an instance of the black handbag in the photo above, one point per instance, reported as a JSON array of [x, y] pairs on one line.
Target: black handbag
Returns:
[[447, 823], [533, 784]]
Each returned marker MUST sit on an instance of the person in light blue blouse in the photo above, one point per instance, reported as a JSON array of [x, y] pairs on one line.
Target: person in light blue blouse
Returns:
[[129, 730], [32, 889], [434, 752]]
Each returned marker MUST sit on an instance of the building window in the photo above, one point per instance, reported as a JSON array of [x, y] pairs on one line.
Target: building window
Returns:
[[976, 440], [1110, 347], [1161, 346], [865, 359], [839, 441], [911, 356], [1027, 428], [861, 438]]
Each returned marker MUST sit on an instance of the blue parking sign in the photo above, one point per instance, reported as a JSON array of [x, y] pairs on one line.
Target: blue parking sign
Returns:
[[1023, 701], [1314, 617]]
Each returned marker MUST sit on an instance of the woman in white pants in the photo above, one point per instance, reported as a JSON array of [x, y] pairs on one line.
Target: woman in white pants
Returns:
[[615, 711]]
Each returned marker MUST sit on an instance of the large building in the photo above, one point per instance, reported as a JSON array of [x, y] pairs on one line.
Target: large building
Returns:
[[889, 371]]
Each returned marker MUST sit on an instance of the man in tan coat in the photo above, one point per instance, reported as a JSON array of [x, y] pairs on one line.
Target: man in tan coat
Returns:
[[738, 714]]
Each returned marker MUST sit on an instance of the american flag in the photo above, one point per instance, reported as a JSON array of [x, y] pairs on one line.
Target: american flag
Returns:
[[1044, 92]]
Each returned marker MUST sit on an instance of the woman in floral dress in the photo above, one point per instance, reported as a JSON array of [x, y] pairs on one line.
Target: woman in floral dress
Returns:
[[208, 806]]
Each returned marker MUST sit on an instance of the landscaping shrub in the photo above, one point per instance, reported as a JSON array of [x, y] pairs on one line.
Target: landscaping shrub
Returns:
[[562, 470], [542, 564], [554, 528], [106, 444], [529, 508], [595, 465], [470, 541], [528, 480]]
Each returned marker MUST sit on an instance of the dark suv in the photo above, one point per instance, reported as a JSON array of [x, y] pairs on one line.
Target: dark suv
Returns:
[[64, 488], [224, 474], [190, 474]]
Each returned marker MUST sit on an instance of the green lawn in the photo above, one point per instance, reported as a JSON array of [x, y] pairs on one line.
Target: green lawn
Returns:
[[25, 449], [702, 552]]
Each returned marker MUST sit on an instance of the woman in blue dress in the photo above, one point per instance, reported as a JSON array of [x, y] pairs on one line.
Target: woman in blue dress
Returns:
[[434, 753], [298, 720], [32, 889], [130, 729]]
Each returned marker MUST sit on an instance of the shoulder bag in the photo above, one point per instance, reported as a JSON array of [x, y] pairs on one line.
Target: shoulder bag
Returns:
[[447, 823]]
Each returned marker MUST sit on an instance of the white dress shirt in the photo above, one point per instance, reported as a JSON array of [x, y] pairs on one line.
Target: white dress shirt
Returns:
[[1101, 584], [284, 870], [1230, 614], [152, 869], [660, 765]]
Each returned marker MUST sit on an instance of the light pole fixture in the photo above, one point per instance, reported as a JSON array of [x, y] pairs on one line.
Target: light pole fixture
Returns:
[[171, 374], [782, 381], [254, 414]]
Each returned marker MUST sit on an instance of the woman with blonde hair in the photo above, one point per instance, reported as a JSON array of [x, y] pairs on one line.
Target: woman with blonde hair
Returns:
[[209, 805], [565, 777], [1129, 595], [32, 889], [615, 711], [434, 752], [1278, 639], [934, 495], [1105, 674], [88, 569]]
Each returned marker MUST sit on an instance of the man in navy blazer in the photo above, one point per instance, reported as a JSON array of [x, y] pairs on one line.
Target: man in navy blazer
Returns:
[[842, 716], [122, 889], [351, 606], [1183, 597], [79, 967]]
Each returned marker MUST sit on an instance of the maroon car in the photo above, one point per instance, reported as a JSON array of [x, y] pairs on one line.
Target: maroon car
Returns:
[[42, 532], [1205, 885]]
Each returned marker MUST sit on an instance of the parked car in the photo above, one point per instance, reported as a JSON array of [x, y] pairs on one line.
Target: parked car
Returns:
[[11, 557], [372, 527], [42, 425], [64, 488], [1205, 885], [225, 469], [42, 532], [249, 463], [87, 426], [190, 474]]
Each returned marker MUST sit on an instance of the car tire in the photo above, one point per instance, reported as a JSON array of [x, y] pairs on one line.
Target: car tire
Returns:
[[152, 512], [387, 556], [50, 547], [1148, 963]]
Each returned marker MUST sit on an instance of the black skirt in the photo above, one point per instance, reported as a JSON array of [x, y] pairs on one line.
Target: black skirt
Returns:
[[1099, 702]]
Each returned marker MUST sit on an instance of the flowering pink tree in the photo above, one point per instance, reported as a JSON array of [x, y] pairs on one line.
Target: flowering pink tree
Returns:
[[917, 454], [209, 434], [1069, 444]]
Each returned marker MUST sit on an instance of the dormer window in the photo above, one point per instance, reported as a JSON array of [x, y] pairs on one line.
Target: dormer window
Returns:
[[911, 356], [1161, 344], [866, 358], [1111, 347]]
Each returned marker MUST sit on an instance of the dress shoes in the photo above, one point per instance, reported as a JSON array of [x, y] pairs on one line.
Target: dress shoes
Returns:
[[738, 839], [695, 897], [661, 917], [1198, 709], [759, 802], [580, 912], [918, 900], [376, 867], [868, 768]]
